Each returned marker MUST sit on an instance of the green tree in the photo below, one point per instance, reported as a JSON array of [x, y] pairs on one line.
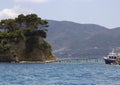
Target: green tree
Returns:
[[9, 25], [3, 25], [20, 20], [31, 24]]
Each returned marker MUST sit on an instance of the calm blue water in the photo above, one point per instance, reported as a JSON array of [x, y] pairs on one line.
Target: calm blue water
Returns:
[[64, 73]]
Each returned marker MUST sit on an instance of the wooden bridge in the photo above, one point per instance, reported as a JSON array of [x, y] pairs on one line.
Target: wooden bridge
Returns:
[[82, 60]]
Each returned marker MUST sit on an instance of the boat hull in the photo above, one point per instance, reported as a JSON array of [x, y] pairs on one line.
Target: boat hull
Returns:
[[109, 61]]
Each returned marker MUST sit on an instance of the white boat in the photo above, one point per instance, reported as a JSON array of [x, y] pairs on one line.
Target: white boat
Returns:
[[111, 57]]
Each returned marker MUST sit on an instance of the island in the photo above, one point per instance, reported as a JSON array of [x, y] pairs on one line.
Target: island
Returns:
[[22, 39]]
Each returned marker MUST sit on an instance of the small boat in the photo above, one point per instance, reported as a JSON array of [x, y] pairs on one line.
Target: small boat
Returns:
[[111, 57]]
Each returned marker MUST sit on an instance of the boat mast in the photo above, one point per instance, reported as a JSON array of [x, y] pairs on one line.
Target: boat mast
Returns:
[[113, 50]]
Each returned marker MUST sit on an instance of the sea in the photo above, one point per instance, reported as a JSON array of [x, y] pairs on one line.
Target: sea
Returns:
[[73, 72]]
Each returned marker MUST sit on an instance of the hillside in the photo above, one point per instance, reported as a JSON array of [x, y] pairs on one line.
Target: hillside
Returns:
[[71, 39], [23, 39]]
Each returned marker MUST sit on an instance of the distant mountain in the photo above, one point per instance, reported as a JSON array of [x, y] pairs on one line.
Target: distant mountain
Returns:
[[71, 39]]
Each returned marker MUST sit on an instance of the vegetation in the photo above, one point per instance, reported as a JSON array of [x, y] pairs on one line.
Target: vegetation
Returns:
[[30, 23], [24, 28]]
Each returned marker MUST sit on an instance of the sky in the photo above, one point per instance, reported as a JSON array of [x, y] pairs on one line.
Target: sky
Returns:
[[101, 12]]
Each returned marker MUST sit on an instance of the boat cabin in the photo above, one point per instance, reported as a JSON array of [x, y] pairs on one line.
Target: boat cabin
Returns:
[[112, 57]]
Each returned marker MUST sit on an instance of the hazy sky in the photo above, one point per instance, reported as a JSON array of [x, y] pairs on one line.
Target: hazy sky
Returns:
[[102, 12]]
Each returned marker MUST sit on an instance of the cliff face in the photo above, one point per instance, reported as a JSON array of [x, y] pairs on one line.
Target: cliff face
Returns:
[[33, 48], [37, 50]]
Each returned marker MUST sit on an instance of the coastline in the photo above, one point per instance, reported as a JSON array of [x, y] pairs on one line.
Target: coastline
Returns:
[[46, 61]]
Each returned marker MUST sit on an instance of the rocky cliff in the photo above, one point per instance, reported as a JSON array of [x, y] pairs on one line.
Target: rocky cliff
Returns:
[[23, 39], [24, 51]]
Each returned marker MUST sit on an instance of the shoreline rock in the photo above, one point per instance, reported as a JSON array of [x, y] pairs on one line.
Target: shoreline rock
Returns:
[[46, 61], [50, 61]]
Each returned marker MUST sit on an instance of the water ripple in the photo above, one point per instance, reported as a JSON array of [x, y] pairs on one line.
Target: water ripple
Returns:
[[59, 74]]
